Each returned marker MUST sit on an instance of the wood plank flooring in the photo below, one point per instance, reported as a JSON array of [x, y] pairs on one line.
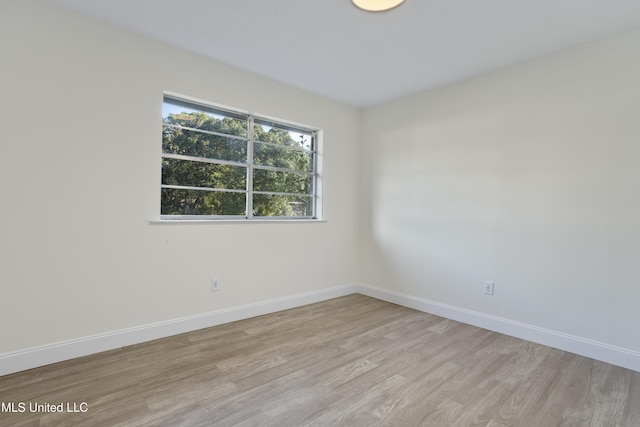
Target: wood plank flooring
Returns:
[[351, 361]]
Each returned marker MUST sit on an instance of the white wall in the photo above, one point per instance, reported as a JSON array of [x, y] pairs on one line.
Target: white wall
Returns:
[[528, 176], [80, 176]]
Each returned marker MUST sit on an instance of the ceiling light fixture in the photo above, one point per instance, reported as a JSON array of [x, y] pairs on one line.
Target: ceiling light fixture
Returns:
[[377, 5]]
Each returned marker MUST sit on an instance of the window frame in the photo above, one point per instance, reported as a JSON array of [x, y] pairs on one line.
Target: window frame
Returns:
[[314, 152]]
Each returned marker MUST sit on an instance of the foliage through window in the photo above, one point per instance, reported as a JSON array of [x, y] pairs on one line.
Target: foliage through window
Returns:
[[217, 163]]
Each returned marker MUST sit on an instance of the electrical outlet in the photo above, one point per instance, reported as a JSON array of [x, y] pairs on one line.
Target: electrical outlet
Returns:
[[488, 288], [215, 284]]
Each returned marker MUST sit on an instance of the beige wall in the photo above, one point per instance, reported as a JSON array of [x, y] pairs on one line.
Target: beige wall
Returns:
[[529, 177], [80, 177]]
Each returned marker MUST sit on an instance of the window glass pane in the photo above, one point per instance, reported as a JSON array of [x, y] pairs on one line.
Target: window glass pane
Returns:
[[198, 144], [199, 174], [272, 205], [176, 112], [281, 182], [193, 202], [280, 134], [281, 157], [206, 147]]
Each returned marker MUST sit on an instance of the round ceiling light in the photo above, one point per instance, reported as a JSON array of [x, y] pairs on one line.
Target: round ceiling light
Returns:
[[377, 5]]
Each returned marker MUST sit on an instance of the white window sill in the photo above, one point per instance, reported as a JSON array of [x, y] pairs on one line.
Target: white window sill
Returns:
[[234, 221]]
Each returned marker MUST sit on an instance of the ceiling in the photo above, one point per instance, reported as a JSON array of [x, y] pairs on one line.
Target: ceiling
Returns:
[[331, 48]]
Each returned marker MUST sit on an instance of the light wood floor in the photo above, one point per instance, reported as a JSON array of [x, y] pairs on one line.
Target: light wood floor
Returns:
[[351, 361]]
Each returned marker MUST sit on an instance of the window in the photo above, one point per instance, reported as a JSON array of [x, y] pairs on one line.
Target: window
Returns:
[[223, 164]]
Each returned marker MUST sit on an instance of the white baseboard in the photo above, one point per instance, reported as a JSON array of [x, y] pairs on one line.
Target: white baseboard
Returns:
[[47, 354], [584, 347]]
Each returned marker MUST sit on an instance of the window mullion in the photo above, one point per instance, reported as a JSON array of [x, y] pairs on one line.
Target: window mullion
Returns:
[[250, 167]]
